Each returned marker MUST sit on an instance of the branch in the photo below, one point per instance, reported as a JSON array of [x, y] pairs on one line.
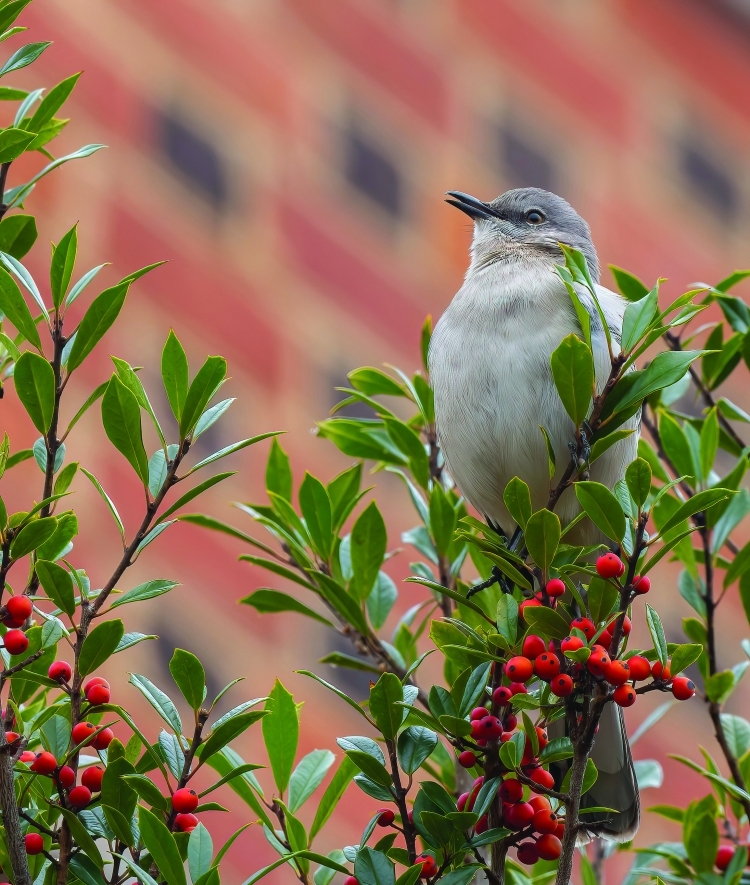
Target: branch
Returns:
[[410, 834]]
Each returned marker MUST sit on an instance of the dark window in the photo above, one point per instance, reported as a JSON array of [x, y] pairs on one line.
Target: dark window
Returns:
[[524, 163], [196, 160], [369, 169], [712, 184]]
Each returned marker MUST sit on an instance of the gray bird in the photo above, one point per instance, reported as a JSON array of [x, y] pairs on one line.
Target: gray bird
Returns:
[[489, 364]]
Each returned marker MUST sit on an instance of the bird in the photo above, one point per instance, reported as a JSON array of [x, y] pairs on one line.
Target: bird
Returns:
[[489, 367]]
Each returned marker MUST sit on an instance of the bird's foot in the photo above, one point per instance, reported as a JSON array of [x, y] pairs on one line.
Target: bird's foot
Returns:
[[496, 577]]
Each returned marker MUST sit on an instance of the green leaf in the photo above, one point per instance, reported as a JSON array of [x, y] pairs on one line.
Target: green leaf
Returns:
[[279, 472], [685, 655], [542, 536], [157, 698], [374, 382], [573, 374], [415, 744], [227, 729], [162, 847], [548, 621], [63, 262], [102, 312], [316, 510], [719, 686], [121, 416], [602, 508], [308, 776], [57, 545], [13, 305], [147, 790], [602, 596], [630, 286], [84, 840], [271, 601], [709, 442], [550, 452], [374, 868], [32, 536], [443, 518], [23, 57], [187, 671], [281, 734], [384, 697], [148, 590], [119, 825], [337, 596], [638, 479], [205, 384], [699, 502], [368, 546], [333, 794], [665, 369], [557, 749], [200, 852], [517, 498], [381, 600], [637, 318], [507, 618], [589, 778], [231, 449], [35, 386], [701, 835], [344, 697], [99, 645], [737, 734], [655, 628], [174, 373], [409, 442], [57, 584]]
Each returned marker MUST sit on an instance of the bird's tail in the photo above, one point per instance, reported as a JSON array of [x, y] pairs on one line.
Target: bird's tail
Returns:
[[616, 786]]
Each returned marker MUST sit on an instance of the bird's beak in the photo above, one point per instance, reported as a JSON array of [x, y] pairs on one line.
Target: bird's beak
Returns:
[[473, 207]]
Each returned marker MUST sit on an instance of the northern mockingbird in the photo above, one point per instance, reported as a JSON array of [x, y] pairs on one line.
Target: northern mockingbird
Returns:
[[489, 365]]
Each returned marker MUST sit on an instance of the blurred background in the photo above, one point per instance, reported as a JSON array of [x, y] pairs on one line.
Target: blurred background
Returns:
[[289, 158]]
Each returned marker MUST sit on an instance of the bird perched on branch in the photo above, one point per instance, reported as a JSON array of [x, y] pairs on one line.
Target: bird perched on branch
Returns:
[[489, 365]]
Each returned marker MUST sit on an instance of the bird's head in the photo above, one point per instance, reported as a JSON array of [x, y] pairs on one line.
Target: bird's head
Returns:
[[526, 223]]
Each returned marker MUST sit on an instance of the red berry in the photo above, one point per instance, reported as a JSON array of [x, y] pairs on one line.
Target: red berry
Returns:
[[501, 695], [95, 680], [540, 803], [659, 672], [545, 821], [79, 797], [11, 736], [67, 776], [481, 825], [533, 646], [103, 739], [467, 759], [98, 694], [528, 853], [510, 722], [598, 662], [555, 587], [605, 639], [519, 669], [627, 626], [45, 763], [527, 603], [385, 816], [19, 607], [186, 823], [350, 880], [724, 856], [609, 566], [429, 866], [683, 688], [585, 625], [640, 667], [479, 713], [541, 736], [617, 672], [641, 585], [82, 732], [520, 815], [511, 790], [547, 666], [489, 728], [518, 688], [185, 801], [549, 846], [34, 843], [561, 686], [462, 799], [16, 642], [60, 671], [560, 831], [543, 778], [8, 621], [625, 695], [572, 643], [92, 778], [27, 756]]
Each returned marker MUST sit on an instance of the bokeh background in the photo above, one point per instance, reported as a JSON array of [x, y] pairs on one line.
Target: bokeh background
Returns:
[[289, 158]]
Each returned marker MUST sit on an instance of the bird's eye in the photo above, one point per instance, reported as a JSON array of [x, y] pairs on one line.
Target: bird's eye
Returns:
[[534, 216]]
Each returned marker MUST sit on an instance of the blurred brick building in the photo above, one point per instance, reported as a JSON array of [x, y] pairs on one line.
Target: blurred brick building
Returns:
[[289, 158]]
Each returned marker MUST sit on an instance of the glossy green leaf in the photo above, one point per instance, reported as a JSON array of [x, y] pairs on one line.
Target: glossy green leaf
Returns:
[[205, 384], [307, 776], [655, 628], [316, 510], [35, 386], [200, 852], [333, 794], [174, 372], [279, 472], [542, 536], [32, 536], [517, 498], [700, 501], [547, 621], [157, 698], [121, 416], [187, 671], [84, 840], [368, 547], [415, 744], [147, 590], [602, 508], [271, 601], [573, 373], [57, 584], [281, 734], [638, 317], [628, 284], [13, 305], [638, 479], [97, 320], [381, 600], [384, 697], [162, 847], [683, 656], [374, 868], [63, 262]]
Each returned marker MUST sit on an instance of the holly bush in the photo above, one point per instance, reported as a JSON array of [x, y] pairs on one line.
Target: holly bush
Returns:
[[487, 774]]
